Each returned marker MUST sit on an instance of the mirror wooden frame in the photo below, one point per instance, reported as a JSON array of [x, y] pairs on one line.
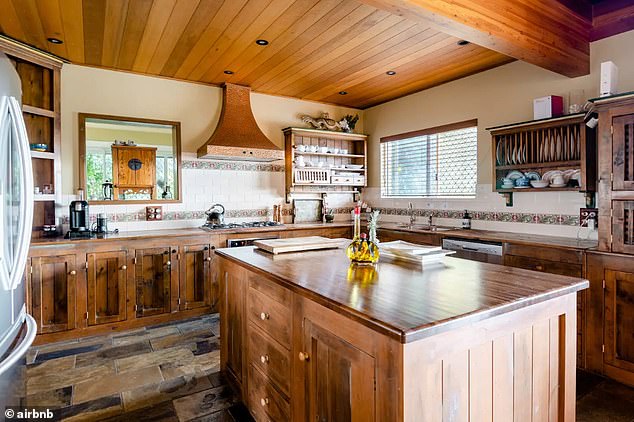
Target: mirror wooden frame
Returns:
[[81, 117]]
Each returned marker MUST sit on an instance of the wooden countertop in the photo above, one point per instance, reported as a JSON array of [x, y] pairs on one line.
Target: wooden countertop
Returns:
[[167, 233], [401, 300], [497, 236]]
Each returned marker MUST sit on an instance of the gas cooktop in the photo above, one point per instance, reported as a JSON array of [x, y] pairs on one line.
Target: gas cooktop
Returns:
[[249, 225]]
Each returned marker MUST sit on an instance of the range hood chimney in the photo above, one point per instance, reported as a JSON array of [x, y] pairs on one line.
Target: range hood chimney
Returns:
[[237, 136]]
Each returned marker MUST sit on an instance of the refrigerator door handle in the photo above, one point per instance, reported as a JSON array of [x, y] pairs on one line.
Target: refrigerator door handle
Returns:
[[26, 218], [21, 349]]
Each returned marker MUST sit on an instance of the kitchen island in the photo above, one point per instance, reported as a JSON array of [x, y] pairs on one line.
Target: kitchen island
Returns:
[[308, 337]]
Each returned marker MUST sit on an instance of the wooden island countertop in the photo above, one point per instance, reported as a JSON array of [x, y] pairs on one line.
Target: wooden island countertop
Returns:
[[403, 300], [308, 337]]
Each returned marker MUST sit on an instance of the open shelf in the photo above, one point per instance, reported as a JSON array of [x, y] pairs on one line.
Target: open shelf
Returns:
[[38, 111], [44, 197], [313, 178], [328, 154], [43, 155], [560, 143]]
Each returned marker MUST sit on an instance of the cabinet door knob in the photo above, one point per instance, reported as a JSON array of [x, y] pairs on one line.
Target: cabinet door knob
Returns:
[[264, 401], [303, 356], [264, 316], [208, 259], [124, 267], [264, 358], [169, 263], [73, 272]]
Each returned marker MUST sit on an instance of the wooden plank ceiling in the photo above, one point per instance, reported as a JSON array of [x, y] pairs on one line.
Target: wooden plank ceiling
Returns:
[[317, 48]]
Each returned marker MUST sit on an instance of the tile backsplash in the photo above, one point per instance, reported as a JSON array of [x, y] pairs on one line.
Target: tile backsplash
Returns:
[[247, 190]]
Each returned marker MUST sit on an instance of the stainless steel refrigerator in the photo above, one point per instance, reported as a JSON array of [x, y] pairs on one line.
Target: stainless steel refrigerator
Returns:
[[17, 328]]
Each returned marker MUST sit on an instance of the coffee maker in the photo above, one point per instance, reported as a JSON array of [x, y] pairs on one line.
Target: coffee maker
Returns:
[[79, 219]]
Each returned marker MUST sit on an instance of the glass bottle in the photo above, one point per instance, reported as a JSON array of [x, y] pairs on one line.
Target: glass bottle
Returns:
[[361, 251]]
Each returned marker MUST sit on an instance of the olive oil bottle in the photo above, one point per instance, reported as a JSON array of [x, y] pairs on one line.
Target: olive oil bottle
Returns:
[[361, 250]]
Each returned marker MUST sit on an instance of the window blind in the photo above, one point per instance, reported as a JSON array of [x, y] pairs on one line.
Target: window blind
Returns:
[[430, 164]]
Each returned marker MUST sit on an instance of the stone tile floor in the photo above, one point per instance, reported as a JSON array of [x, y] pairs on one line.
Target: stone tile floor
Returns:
[[170, 372]]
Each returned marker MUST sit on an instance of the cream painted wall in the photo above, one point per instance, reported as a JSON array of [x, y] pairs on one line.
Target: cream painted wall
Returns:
[[498, 96], [196, 106]]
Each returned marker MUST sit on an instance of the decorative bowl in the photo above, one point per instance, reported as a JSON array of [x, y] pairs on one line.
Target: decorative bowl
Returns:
[[539, 183], [39, 147]]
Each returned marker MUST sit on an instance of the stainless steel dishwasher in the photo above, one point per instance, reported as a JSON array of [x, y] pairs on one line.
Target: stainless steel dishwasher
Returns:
[[475, 250]]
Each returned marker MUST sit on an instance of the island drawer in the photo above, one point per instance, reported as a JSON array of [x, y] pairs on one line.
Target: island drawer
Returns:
[[270, 358], [265, 402], [551, 267], [569, 256], [271, 316], [270, 289]]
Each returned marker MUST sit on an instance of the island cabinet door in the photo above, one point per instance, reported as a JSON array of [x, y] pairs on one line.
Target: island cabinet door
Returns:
[[340, 378], [107, 278], [52, 291], [619, 323], [153, 275], [233, 319], [195, 277]]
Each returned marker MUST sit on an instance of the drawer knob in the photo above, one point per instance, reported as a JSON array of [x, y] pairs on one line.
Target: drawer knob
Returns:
[[539, 268], [264, 358], [124, 267], [73, 272], [304, 357], [264, 316], [264, 401]]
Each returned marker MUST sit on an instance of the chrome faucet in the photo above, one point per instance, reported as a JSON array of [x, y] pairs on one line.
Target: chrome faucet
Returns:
[[410, 212], [430, 221]]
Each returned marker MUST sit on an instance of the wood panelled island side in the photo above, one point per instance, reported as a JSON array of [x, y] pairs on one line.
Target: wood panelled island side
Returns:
[[307, 337]]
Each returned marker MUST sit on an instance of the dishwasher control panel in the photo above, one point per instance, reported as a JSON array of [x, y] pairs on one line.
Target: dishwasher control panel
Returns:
[[488, 248]]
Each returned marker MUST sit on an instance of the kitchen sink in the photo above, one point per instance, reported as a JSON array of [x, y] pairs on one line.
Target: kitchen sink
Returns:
[[424, 227]]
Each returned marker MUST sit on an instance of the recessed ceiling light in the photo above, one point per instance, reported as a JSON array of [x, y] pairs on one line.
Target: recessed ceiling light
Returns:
[[390, 72], [463, 42], [228, 72], [262, 42], [55, 40], [343, 93]]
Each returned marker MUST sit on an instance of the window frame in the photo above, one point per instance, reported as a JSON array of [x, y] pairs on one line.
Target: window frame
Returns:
[[425, 132]]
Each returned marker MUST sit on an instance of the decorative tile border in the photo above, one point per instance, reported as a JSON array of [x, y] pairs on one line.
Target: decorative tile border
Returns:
[[230, 165], [500, 216], [263, 213]]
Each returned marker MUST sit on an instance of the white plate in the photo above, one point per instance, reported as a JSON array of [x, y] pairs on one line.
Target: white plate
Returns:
[[563, 185], [514, 175], [354, 166]]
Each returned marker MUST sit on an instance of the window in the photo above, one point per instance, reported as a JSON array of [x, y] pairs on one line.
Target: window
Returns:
[[436, 162]]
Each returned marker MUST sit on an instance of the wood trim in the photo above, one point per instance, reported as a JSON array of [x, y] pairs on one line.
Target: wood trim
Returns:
[[431, 130], [29, 53], [176, 128]]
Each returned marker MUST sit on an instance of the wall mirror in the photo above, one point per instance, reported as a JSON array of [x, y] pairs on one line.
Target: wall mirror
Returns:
[[125, 159]]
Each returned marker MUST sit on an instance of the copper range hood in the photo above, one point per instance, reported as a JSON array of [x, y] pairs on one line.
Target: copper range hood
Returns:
[[237, 136]]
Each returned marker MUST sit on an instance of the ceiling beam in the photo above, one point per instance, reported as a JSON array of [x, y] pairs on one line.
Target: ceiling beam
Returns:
[[542, 32]]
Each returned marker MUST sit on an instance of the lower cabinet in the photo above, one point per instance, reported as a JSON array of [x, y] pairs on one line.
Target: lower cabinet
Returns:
[[52, 282], [295, 360], [195, 277], [611, 315], [339, 381], [153, 274], [106, 279]]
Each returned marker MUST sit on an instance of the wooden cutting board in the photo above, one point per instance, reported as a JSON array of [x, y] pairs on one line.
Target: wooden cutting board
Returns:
[[297, 244]]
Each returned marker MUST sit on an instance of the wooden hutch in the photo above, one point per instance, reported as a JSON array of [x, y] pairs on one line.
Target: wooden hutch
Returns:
[[338, 166], [40, 76], [610, 344], [560, 143]]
